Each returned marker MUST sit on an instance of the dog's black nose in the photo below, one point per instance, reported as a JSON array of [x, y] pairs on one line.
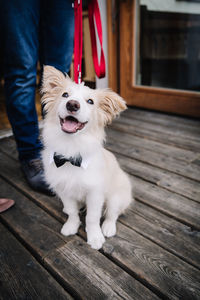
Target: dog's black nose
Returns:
[[73, 105]]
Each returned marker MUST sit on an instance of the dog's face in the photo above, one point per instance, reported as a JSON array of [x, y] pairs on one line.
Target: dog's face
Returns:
[[76, 107]]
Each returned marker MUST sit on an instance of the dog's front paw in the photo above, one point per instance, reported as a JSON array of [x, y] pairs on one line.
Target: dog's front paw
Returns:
[[95, 239], [70, 228], [109, 228]]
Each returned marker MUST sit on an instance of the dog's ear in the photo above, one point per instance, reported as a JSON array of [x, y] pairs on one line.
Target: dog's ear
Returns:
[[51, 79], [110, 104]]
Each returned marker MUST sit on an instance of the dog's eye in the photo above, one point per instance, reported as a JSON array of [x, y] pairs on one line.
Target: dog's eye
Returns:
[[66, 95], [90, 101]]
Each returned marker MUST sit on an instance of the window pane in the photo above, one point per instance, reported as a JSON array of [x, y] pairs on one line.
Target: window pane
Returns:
[[168, 54]]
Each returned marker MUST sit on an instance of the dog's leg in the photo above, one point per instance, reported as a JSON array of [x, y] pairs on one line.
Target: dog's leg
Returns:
[[73, 221], [116, 205], [109, 224], [95, 237]]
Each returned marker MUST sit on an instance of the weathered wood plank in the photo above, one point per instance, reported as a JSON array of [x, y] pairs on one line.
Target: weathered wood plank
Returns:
[[161, 118], [163, 161], [22, 277], [39, 230], [173, 140], [166, 273], [40, 233], [8, 146], [84, 265], [196, 162], [171, 204], [190, 135], [181, 186], [171, 235], [153, 146], [172, 182]]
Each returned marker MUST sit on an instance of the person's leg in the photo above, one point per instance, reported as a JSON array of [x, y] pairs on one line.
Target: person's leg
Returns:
[[20, 25], [57, 34]]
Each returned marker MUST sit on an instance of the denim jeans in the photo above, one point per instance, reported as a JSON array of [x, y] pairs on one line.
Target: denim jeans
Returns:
[[32, 31]]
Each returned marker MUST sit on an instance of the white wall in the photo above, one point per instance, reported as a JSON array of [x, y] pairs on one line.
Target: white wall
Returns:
[[172, 6], [103, 82]]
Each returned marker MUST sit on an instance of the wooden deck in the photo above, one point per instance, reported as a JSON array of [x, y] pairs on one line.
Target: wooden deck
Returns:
[[156, 253]]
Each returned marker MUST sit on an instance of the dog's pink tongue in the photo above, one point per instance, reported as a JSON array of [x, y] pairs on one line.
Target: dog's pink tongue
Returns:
[[70, 126]]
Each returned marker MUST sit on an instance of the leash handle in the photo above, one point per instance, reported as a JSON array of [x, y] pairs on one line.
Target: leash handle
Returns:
[[78, 41], [94, 13]]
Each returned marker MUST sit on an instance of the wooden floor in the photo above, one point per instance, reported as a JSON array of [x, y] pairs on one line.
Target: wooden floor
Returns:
[[156, 253]]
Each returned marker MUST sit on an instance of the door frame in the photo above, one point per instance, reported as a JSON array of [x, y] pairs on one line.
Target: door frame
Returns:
[[162, 99]]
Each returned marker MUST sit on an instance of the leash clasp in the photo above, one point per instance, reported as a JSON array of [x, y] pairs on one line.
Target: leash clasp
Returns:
[[79, 74], [79, 77]]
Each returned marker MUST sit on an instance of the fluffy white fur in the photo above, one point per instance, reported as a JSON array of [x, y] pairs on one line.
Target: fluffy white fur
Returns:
[[101, 180]]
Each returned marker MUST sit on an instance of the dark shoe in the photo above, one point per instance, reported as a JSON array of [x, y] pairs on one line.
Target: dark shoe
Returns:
[[34, 173]]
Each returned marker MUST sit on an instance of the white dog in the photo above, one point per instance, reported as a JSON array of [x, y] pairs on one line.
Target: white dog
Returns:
[[76, 165]]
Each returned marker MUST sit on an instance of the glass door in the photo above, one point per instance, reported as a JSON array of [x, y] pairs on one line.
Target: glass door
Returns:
[[160, 54]]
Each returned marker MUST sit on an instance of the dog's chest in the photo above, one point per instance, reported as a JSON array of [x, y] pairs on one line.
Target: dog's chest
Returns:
[[72, 180]]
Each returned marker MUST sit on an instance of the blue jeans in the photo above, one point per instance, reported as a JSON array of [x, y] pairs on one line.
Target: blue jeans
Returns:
[[32, 31]]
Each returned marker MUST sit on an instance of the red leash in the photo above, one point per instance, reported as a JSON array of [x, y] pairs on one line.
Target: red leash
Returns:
[[94, 14], [78, 41]]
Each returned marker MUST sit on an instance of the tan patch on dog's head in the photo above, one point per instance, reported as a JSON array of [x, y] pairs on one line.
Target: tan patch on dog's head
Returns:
[[53, 82], [110, 104]]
